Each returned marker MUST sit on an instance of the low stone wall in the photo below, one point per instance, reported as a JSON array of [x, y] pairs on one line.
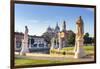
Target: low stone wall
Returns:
[[37, 50], [40, 50]]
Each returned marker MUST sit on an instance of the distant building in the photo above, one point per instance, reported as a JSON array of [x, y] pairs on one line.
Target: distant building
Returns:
[[60, 39], [56, 30], [53, 33], [40, 43], [18, 40], [35, 43]]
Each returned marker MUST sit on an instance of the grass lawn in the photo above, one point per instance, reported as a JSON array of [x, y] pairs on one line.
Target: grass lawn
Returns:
[[88, 49], [23, 61], [20, 61]]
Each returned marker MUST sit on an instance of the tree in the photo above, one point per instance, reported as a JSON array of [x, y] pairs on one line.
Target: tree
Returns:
[[71, 38], [47, 36], [93, 40], [87, 39], [86, 35]]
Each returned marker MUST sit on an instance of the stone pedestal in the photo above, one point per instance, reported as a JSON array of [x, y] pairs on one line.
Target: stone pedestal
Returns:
[[56, 46], [60, 44], [79, 50], [24, 48], [52, 44], [63, 43]]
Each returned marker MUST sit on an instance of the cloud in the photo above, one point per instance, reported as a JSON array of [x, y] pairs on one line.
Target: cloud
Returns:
[[90, 9]]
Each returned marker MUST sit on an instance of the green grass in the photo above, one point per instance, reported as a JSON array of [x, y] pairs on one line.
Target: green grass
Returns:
[[22, 61], [87, 48], [69, 50]]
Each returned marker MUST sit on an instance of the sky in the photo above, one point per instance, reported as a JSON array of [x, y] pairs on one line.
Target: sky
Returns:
[[39, 17]]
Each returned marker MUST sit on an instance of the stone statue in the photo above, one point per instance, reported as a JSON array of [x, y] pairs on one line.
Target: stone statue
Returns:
[[79, 51], [25, 49], [80, 29], [60, 41], [26, 30]]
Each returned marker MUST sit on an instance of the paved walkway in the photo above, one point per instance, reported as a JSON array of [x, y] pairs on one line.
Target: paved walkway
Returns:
[[51, 57]]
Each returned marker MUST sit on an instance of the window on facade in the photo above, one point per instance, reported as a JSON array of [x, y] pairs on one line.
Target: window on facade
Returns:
[[41, 45], [18, 44], [34, 45], [32, 41]]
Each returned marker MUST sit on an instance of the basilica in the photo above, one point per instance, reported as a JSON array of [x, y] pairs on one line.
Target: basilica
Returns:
[[54, 31], [58, 36]]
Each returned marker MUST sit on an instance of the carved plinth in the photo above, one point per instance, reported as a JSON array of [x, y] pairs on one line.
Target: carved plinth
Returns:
[[24, 48], [79, 51]]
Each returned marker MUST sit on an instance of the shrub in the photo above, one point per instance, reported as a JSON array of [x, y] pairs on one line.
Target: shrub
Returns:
[[58, 52], [64, 53]]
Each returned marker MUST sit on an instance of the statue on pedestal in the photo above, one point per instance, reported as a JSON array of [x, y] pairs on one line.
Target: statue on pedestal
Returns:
[[25, 49], [60, 42], [59, 39], [79, 51]]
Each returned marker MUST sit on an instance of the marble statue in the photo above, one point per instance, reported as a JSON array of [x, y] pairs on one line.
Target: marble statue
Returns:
[[25, 49], [79, 50]]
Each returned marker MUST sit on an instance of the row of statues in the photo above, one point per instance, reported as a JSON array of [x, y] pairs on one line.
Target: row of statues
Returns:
[[78, 50]]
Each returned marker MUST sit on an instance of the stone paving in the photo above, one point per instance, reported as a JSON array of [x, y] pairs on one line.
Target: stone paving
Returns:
[[52, 57]]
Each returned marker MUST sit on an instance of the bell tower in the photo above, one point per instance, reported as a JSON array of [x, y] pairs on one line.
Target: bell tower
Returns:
[[64, 26]]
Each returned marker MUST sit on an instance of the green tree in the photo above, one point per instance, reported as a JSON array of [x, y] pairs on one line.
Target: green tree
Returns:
[[47, 36], [71, 38], [88, 39], [86, 35]]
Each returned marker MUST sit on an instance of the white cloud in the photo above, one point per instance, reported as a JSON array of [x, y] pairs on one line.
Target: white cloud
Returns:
[[90, 9]]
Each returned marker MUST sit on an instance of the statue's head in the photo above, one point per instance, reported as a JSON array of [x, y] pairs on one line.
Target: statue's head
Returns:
[[79, 21], [26, 29], [25, 26]]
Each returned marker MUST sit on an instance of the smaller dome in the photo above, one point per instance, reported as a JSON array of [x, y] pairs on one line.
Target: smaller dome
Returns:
[[49, 29]]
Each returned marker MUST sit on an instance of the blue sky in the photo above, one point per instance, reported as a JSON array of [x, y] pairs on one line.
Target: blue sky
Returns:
[[39, 17]]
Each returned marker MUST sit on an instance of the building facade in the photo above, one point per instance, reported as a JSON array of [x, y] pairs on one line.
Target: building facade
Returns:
[[35, 43], [39, 43]]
